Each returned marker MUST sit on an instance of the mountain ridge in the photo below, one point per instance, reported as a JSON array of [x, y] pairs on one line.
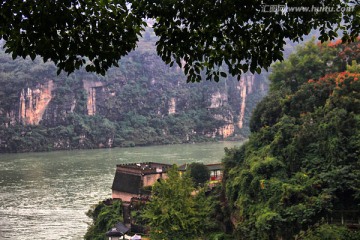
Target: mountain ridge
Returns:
[[143, 102]]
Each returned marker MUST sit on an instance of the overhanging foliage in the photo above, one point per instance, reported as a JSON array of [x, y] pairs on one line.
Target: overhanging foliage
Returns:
[[197, 35]]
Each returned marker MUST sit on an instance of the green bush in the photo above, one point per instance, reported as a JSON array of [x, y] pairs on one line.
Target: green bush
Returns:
[[329, 232]]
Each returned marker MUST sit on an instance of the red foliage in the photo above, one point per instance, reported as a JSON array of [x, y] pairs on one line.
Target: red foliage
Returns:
[[335, 79], [346, 75], [335, 43], [346, 51]]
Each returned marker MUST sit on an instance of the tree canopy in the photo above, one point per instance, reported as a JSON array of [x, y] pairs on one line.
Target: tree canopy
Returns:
[[199, 173], [173, 212], [300, 168], [200, 36], [104, 217]]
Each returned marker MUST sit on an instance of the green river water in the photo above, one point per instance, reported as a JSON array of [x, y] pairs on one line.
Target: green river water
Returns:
[[46, 195]]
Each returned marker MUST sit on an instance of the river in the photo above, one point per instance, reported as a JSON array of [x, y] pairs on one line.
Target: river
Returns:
[[46, 195]]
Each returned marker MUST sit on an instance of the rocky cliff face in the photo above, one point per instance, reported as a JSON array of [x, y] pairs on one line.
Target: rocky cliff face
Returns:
[[248, 86], [90, 88], [34, 102], [142, 102]]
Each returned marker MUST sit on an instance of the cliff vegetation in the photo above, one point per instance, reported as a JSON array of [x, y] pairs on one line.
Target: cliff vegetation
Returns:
[[298, 175], [142, 102]]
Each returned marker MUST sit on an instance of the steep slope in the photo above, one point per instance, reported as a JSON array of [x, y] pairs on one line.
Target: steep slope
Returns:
[[140, 103], [300, 169]]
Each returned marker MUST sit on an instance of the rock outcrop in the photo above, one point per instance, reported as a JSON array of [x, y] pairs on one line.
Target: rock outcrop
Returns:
[[34, 102], [90, 88]]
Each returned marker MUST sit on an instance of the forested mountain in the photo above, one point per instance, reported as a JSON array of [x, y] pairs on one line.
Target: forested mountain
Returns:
[[142, 102], [298, 175]]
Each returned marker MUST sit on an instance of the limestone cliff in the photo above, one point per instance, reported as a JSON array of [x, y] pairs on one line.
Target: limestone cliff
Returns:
[[239, 98], [33, 103], [142, 102], [218, 99], [172, 106], [247, 85], [227, 130], [90, 88]]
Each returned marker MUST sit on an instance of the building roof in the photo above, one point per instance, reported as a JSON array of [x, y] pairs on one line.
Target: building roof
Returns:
[[215, 166], [211, 167], [128, 177], [113, 233], [121, 227], [119, 230], [125, 182], [183, 167], [144, 168]]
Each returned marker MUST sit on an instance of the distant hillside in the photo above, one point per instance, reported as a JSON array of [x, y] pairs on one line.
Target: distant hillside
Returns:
[[143, 102]]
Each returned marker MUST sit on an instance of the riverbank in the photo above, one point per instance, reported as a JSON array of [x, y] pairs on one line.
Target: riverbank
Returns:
[[124, 144]]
